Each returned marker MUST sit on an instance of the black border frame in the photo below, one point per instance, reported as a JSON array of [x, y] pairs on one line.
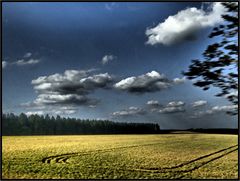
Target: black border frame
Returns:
[[60, 1]]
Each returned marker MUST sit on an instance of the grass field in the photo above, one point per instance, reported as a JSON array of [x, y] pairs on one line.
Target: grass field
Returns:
[[167, 156]]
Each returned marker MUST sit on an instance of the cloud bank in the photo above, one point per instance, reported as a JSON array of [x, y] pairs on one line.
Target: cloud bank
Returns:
[[69, 88], [215, 109], [170, 107], [53, 111], [131, 111]]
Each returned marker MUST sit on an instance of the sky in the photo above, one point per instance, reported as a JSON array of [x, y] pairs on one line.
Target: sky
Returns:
[[107, 60]]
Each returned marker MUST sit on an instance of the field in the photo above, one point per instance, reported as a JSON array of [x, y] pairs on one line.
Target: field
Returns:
[[166, 156]]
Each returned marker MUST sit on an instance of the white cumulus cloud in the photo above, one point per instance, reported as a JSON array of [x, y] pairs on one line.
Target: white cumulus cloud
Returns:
[[224, 108], [27, 62], [179, 80], [131, 111], [199, 103], [172, 107], [27, 55], [4, 64], [216, 109], [184, 25], [107, 58], [153, 103], [149, 82], [34, 112], [175, 104], [171, 110]]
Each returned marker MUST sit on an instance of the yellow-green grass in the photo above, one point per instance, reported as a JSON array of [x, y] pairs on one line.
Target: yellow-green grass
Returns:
[[166, 156]]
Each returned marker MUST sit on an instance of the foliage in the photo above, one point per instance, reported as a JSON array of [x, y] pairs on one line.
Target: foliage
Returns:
[[120, 157], [46, 125], [220, 65]]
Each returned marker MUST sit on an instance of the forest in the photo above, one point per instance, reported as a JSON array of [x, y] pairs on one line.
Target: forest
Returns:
[[49, 125]]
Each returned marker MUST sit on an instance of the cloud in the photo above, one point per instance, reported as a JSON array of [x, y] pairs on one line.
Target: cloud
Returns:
[[27, 55], [175, 104], [199, 103], [184, 25], [167, 110], [23, 61], [131, 111], [149, 82], [107, 58], [66, 112], [153, 107], [171, 107], [67, 99], [153, 103], [179, 80], [110, 6], [224, 108], [34, 112], [215, 109], [53, 111], [70, 88], [26, 62], [4, 64]]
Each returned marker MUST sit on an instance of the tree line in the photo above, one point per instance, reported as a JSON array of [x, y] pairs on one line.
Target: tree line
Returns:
[[49, 125]]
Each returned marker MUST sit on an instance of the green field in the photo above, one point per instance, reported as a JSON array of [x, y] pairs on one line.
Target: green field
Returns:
[[169, 156]]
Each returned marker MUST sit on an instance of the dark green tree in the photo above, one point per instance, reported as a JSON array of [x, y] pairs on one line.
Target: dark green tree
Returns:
[[219, 68], [46, 125]]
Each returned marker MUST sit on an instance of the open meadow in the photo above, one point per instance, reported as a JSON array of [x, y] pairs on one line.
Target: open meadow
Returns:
[[163, 156]]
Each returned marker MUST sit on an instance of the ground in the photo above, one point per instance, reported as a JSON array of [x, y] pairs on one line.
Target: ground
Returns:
[[162, 156]]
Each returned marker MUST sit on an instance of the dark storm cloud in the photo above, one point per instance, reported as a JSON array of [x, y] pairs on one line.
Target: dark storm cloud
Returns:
[[70, 88], [149, 82]]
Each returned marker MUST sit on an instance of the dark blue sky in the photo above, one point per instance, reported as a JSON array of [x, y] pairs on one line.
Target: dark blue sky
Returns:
[[112, 66]]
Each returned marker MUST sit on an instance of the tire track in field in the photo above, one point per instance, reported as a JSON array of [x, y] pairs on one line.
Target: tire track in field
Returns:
[[62, 158], [175, 169], [182, 172], [194, 160], [179, 173]]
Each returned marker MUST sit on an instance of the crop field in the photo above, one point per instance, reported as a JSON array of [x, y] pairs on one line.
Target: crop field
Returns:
[[166, 156]]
